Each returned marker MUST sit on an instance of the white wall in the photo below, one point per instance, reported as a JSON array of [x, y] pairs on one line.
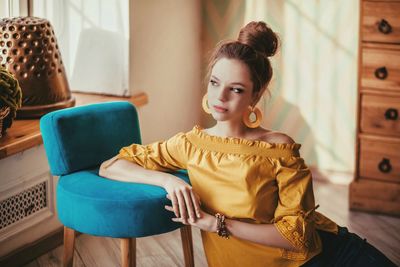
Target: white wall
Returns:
[[314, 86], [165, 58]]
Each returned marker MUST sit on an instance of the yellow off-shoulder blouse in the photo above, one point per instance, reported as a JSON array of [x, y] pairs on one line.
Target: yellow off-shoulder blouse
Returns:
[[247, 180]]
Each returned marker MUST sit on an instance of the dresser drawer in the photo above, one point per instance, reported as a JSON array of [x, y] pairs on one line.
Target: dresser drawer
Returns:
[[380, 115], [381, 69], [380, 160], [381, 22]]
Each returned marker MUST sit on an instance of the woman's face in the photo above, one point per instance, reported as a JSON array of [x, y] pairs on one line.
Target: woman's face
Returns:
[[230, 87]]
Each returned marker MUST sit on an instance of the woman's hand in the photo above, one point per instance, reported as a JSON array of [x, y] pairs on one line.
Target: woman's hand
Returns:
[[185, 202], [207, 222]]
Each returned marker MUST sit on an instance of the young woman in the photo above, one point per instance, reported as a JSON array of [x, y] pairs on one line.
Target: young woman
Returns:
[[251, 192]]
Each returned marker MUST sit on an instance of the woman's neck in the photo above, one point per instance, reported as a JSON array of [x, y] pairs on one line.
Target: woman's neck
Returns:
[[230, 129]]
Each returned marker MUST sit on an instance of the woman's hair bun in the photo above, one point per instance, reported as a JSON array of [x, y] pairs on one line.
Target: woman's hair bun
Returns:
[[260, 37]]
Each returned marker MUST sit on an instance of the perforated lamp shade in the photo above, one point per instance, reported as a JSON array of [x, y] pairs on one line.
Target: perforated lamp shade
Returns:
[[29, 50]]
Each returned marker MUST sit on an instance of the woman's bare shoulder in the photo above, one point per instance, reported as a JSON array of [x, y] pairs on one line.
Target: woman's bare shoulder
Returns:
[[262, 134], [270, 136]]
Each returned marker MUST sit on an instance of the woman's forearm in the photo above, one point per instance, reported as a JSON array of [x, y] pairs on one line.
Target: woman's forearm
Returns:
[[126, 171], [265, 234], [185, 202], [123, 170]]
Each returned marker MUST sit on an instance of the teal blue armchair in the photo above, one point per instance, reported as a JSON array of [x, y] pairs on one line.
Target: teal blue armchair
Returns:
[[77, 140]]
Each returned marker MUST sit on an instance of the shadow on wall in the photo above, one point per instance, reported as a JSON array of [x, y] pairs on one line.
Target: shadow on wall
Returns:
[[315, 69], [296, 126], [296, 121]]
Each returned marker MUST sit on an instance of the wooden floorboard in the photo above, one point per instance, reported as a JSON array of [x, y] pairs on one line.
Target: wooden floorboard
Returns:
[[166, 250], [381, 231]]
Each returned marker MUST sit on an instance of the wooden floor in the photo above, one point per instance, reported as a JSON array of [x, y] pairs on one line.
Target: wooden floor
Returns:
[[165, 250]]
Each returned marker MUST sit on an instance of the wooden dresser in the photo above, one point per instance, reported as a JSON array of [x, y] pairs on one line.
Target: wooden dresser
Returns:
[[376, 185]]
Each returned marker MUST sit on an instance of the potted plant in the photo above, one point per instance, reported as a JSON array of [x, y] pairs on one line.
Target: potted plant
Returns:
[[10, 99]]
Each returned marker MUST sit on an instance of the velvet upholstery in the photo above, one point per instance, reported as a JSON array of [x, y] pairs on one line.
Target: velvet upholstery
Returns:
[[105, 207], [82, 137], [77, 140]]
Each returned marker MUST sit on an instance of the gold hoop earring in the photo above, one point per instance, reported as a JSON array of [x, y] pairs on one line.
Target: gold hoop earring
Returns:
[[246, 117], [205, 105]]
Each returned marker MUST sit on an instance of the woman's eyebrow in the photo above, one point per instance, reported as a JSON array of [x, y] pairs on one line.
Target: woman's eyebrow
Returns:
[[233, 83], [238, 83], [215, 78]]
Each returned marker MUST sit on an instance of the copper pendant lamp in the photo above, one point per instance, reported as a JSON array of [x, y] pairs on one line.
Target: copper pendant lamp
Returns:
[[29, 50]]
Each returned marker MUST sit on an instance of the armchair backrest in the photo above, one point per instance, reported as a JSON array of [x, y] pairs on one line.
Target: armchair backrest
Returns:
[[83, 137]]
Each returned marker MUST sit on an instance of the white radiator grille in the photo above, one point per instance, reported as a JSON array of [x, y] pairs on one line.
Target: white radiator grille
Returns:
[[23, 204]]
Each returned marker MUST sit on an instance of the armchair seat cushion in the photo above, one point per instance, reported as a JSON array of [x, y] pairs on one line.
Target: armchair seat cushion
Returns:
[[99, 206]]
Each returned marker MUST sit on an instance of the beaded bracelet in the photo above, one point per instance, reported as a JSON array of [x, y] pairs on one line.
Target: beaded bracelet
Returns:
[[222, 231]]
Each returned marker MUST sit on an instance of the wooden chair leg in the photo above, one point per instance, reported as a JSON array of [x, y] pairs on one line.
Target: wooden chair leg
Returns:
[[187, 245], [128, 252], [69, 243]]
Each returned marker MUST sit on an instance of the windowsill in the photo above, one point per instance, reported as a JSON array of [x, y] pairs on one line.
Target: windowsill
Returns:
[[25, 134]]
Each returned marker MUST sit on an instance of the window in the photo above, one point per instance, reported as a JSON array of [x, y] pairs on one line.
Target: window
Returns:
[[93, 36]]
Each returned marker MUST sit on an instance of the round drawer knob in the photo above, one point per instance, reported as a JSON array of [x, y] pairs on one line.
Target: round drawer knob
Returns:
[[384, 27], [385, 166], [391, 114], [381, 73]]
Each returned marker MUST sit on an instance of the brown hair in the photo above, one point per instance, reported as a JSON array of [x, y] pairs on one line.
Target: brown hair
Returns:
[[255, 43]]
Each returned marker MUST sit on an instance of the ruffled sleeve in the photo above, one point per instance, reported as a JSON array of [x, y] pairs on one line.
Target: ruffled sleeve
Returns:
[[295, 210], [165, 155]]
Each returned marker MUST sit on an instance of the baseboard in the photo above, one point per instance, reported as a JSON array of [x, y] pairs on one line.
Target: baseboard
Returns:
[[335, 177], [375, 196], [31, 251]]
